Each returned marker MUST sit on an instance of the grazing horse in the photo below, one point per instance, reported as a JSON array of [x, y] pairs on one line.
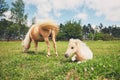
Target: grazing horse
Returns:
[[80, 50], [39, 32]]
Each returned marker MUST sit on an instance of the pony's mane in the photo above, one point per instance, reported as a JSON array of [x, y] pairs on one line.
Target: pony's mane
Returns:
[[82, 43], [27, 37]]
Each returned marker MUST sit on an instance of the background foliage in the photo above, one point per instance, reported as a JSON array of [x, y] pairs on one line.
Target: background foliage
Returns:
[[15, 27]]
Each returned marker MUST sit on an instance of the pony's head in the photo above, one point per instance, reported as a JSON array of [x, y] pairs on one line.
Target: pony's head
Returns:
[[72, 47], [26, 43]]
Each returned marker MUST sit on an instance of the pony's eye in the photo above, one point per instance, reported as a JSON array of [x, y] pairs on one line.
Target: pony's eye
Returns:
[[72, 47]]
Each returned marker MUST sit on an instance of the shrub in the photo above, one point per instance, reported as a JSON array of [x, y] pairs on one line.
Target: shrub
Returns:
[[107, 37], [101, 36], [98, 36]]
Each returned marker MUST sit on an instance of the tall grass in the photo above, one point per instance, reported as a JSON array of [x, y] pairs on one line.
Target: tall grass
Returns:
[[15, 65]]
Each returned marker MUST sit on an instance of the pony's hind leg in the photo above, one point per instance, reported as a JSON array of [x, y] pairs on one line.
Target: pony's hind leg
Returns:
[[48, 45], [55, 48], [54, 43]]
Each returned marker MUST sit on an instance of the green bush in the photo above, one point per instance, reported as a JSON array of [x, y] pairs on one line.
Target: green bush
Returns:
[[98, 36], [101, 36], [107, 37]]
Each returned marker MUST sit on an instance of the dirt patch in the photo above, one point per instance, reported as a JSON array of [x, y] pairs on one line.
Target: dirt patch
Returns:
[[72, 75]]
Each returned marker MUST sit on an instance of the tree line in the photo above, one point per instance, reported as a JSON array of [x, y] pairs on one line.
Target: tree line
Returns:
[[74, 29], [15, 28]]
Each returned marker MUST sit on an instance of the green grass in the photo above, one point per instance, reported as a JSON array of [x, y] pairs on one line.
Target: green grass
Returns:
[[15, 65]]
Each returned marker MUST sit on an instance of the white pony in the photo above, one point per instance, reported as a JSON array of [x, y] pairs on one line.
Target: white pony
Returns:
[[80, 50]]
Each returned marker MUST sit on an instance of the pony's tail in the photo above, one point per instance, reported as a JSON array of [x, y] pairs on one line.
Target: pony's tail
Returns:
[[56, 29], [50, 25]]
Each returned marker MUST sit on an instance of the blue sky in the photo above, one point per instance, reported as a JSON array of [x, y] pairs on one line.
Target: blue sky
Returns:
[[94, 12]]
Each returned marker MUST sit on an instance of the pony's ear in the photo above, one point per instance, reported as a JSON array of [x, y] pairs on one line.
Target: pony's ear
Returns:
[[77, 42], [71, 39]]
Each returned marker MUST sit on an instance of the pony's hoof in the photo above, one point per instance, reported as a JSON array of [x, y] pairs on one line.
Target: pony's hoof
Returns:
[[36, 52], [24, 51], [56, 55], [48, 55]]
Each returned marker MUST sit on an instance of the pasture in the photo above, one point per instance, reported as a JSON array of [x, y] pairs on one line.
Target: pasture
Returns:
[[15, 65]]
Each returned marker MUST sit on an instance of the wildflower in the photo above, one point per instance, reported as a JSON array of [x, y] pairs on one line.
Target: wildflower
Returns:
[[85, 69], [104, 66], [92, 68]]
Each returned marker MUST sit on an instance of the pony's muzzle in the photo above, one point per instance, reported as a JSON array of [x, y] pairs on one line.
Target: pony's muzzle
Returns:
[[25, 50], [66, 55]]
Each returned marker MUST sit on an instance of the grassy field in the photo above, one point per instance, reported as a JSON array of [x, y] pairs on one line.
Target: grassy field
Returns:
[[15, 65]]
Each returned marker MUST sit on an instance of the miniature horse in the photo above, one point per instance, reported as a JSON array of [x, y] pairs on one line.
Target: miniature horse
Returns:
[[40, 32], [80, 50]]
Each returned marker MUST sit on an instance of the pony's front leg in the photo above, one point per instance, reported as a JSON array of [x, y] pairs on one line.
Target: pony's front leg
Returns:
[[48, 45], [74, 58], [36, 46]]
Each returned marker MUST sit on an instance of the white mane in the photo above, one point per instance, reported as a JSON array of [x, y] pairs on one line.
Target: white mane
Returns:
[[80, 50], [85, 50], [27, 38]]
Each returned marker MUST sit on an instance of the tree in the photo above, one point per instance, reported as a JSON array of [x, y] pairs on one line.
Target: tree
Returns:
[[72, 29], [61, 34], [105, 30], [4, 24], [18, 15], [12, 31], [115, 31], [9, 30], [90, 32], [85, 32], [3, 7], [101, 26]]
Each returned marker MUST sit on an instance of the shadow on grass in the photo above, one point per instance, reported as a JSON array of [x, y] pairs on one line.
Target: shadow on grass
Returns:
[[66, 60], [36, 53]]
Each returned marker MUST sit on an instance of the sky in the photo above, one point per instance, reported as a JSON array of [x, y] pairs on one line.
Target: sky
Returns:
[[94, 12]]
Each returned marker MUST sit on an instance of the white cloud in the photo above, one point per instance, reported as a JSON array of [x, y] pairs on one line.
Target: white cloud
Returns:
[[46, 7], [7, 15], [108, 8], [66, 4], [82, 16], [50, 9]]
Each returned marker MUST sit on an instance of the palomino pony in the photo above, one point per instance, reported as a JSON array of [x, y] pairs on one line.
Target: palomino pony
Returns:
[[40, 32], [80, 50]]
